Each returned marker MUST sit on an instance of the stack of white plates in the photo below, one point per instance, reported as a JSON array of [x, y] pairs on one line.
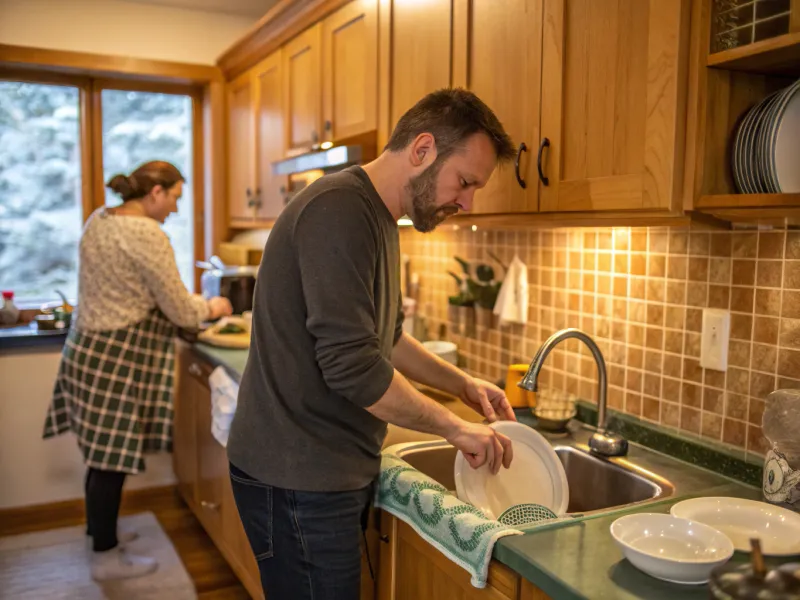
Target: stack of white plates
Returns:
[[766, 148]]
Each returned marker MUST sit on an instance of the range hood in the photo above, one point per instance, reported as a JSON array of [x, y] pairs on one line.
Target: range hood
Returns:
[[334, 158]]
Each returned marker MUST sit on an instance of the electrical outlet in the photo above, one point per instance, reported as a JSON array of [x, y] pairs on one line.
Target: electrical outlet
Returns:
[[714, 343]]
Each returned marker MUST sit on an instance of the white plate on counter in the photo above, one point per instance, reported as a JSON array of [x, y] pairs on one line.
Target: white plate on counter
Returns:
[[740, 519]]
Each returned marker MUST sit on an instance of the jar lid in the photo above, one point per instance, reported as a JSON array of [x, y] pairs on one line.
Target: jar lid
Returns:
[[8, 295]]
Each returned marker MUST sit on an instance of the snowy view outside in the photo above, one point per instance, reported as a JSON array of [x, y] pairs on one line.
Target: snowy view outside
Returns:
[[40, 190], [142, 126], [40, 177]]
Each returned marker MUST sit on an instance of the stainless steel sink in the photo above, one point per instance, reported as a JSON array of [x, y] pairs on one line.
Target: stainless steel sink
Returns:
[[595, 484]]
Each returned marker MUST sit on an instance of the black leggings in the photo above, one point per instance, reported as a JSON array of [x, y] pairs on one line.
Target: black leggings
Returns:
[[103, 497]]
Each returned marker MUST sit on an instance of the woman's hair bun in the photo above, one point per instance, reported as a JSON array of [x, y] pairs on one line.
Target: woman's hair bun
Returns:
[[122, 186]]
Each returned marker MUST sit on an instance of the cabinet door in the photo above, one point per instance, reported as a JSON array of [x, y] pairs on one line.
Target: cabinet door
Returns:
[[212, 464], [241, 148], [184, 432], [271, 189], [612, 79], [238, 550], [303, 89], [350, 73], [504, 47], [421, 52]]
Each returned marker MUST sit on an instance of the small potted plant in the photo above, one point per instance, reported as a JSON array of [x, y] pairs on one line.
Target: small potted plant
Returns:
[[485, 292], [461, 306]]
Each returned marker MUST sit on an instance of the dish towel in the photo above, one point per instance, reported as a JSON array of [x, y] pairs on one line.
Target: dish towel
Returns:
[[512, 300], [224, 395], [458, 530]]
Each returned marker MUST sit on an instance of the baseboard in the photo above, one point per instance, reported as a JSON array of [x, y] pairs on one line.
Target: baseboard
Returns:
[[39, 517]]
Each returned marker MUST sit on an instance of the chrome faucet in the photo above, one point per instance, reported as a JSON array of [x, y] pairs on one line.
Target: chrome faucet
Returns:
[[602, 442]]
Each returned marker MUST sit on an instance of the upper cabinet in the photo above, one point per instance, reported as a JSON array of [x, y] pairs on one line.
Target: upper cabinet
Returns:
[[350, 71], [241, 148], [268, 85], [421, 52], [302, 77], [613, 84], [499, 58]]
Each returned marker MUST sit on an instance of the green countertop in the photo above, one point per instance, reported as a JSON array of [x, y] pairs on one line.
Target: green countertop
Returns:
[[580, 560]]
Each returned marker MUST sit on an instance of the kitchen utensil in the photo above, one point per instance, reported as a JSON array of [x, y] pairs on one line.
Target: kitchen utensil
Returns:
[[740, 519], [214, 337], [536, 475], [752, 581], [518, 397], [670, 548], [554, 409], [237, 284]]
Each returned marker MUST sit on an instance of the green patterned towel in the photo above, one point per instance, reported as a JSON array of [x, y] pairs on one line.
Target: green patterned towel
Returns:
[[458, 530]]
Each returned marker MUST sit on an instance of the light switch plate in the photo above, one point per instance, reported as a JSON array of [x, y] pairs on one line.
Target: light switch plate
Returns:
[[716, 336]]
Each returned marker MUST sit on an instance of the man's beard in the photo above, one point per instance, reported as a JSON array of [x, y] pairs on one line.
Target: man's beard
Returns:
[[424, 213]]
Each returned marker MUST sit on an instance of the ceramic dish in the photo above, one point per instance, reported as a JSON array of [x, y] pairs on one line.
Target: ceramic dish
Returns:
[[739, 519], [670, 548], [536, 476]]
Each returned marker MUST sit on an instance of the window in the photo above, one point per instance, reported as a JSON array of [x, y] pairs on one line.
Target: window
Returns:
[[143, 126], [40, 189], [60, 141]]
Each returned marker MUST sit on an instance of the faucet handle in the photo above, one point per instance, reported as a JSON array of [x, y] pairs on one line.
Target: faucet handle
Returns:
[[605, 443]]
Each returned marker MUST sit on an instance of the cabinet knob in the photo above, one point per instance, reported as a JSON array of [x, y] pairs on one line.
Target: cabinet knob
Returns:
[[384, 538], [328, 125], [209, 505], [195, 369], [314, 137]]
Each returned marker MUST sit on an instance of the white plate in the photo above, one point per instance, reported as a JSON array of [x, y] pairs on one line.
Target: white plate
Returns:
[[670, 548], [536, 475], [739, 519], [786, 143]]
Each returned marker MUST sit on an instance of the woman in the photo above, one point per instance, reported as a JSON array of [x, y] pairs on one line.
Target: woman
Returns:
[[115, 383]]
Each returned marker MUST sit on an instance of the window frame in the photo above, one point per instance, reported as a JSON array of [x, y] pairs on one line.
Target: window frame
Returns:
[[90, 119]]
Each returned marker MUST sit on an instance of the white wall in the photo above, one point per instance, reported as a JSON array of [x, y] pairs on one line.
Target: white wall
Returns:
[[120, 28], [37, 471]]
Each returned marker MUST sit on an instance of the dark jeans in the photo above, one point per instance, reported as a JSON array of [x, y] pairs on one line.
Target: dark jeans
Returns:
[[103, 497], [307, 544]]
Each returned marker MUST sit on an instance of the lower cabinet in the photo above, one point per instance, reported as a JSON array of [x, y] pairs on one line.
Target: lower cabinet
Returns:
[[404, 566]]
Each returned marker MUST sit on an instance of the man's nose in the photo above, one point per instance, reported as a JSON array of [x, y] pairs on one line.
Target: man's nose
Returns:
[[465, 200]]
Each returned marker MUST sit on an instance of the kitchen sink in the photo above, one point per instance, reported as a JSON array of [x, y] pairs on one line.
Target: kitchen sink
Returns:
[[595, 484]]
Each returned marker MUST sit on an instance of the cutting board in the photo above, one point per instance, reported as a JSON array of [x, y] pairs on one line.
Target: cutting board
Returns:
[[226, 340]]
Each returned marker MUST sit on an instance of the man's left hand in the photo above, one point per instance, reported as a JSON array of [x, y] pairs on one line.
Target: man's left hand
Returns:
[[487, 399]]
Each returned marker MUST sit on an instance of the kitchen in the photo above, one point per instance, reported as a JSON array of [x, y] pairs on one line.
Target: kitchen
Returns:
[[640, 226]]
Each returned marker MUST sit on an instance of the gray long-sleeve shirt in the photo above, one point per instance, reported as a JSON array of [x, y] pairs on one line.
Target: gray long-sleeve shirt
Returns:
[[326, 315]]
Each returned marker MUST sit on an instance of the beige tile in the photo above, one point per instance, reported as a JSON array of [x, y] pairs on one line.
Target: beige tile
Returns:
[[633, 404], [734, 432], [690, 419], [788, 362], [635, 357], [761, 384], [639, 241], [698, 268], [791, 305], [657, 242], [694, 319], [721, 244], [677, 267], [741, 327], [616, 375], [739, 354], [676, 292], [587, 303], [589, 239], [656, 290], [657, 265], [756, 442], [788, 383], [589, 282], [675, 316], [720, 271], [651, 409], [790, 333], [719, 296], [604, 241], [673, 365], [715, 379], [633, 380], [653, 361], [603, 284], [768, 302], [636, 334], [736, 407], [678, 242], [711, 426], [691, 344], [654, 338], [637, 288], [771, 244], [764, 358], [637, 311], [744, 245], [621, 239], [742, 299], [671, 390], [697, 295], [793, 245], [652, 385], [699, 243], [638, 264], [769, 273], [765, 330], [744, 272], [792, 275], [692, 371], [738, 381], [673, 341], [621, 263], [670, 414], [655, 315], [714, 400], [604, 262]]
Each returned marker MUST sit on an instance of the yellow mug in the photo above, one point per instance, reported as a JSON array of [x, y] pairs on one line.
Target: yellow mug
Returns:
[[517, 397]]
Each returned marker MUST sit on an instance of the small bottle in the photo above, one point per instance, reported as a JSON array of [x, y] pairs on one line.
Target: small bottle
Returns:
[[9, 313]]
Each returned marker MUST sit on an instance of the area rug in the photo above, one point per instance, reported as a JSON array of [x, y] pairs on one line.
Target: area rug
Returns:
[[54, 565]]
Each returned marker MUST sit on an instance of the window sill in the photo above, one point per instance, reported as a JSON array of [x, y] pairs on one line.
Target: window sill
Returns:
[[28, 336]]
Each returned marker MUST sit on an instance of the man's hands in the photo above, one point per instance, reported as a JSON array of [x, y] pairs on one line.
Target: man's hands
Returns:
[[487, 399], [481, 445]]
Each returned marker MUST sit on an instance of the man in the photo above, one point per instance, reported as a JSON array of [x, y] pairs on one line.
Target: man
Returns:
[[329, 360]]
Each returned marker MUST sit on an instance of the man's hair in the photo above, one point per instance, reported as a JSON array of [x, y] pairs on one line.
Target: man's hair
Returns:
[[451, 116]]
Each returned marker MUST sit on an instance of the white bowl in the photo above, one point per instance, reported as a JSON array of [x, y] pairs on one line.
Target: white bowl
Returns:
[[670, 548], [445, 350]]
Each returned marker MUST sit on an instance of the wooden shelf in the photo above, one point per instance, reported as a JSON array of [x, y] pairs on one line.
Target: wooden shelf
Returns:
[[248, 224], [749, 201], [775, 56]]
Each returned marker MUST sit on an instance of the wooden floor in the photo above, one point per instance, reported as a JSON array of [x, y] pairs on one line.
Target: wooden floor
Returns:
[[212, 577]]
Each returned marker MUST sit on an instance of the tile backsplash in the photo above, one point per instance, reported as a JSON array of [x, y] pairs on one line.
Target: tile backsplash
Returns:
[[639, 293]]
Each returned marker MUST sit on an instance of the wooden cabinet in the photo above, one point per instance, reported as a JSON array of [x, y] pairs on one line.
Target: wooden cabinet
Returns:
[[412, 569], [241, 148], [302, 80], [268, 86], [421, 53], [350, 71], [500, 60], [613, 84]]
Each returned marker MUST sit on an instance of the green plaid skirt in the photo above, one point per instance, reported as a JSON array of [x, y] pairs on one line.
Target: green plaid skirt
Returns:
[[114, 391]]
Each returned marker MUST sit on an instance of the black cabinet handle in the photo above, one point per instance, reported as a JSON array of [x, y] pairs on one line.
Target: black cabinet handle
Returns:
[[384, 539], [520, 180], [250, 202], [328, 125], [257, 201], [545, 144]]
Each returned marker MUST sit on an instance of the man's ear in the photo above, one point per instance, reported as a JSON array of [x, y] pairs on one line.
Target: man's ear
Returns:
[[423, 150]]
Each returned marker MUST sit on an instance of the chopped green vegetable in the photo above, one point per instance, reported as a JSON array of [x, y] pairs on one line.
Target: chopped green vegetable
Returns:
[[230, 328]]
